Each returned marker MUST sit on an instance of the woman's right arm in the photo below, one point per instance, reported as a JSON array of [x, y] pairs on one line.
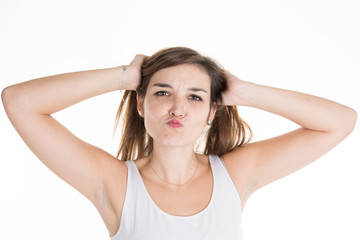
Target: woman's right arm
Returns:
[[29, 106]]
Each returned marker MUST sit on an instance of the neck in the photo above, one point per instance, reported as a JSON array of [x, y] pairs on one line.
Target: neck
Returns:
[[173, 164]]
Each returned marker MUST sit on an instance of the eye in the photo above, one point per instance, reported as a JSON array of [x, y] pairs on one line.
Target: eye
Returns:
[[196, 98], [161, 93]]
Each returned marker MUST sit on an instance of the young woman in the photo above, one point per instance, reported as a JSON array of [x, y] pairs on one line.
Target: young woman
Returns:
[[161, 188]]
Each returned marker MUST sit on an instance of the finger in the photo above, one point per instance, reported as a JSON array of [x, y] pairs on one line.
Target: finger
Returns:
[[139, 59]]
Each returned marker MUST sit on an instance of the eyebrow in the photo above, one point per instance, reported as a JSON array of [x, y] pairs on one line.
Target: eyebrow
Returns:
[[165, 85]]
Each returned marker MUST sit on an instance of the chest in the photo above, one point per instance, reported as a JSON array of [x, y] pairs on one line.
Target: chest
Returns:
[[182, 202], [193, 199], [186, 202]]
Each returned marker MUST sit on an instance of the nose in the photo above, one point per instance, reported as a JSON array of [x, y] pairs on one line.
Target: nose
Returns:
[[177, 108]]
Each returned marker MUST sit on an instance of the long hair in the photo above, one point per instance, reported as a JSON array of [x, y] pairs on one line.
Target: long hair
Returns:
[[227, 130]]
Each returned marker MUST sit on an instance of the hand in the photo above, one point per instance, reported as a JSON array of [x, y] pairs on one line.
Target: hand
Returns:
[[232, 94], [131, 77]]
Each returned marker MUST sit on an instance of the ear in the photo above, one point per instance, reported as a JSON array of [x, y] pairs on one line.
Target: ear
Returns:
[[212, 111], [139, 105]]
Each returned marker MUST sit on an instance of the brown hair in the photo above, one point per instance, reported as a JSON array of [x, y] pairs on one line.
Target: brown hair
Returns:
[[227, 130]]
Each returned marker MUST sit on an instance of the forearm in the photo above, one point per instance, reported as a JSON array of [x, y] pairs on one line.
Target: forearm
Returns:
[[50, 94], [308, 111]]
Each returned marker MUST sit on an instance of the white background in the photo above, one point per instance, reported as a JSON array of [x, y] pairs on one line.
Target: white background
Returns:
[[310, 46]]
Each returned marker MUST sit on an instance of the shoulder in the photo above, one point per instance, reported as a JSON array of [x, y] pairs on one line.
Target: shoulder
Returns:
[[203, 159], [239, 164], [241, 157], [110, 201]]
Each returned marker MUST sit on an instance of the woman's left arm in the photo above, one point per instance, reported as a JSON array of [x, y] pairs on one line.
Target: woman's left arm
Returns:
[[324, 124]]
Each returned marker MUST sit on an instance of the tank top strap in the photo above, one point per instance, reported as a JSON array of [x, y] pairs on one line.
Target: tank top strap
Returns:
[[224, 185], [142, 219], [135, 203]]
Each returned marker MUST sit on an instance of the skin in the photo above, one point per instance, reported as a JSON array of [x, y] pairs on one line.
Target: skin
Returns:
[[173, 157], [101, 178]]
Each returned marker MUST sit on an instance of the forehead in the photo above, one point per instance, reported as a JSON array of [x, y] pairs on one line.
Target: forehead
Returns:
[[182, 75]]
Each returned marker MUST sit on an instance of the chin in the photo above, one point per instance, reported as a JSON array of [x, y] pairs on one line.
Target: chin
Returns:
[[174, 141]]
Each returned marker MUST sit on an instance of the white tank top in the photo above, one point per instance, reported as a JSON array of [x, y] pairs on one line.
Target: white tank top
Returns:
[[142, 219]]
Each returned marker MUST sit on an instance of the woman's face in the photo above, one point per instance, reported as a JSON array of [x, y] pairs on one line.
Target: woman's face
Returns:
[[181, 93]]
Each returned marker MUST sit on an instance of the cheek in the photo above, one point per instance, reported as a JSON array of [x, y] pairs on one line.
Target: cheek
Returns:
[[155, 108], [199, 118], [155, 113]]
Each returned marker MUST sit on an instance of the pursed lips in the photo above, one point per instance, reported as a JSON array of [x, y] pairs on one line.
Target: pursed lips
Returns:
[[174, 123]]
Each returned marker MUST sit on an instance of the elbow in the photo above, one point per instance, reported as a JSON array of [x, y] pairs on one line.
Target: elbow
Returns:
[[6, 96], [10, 98], [354, 117], [350, 121]]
